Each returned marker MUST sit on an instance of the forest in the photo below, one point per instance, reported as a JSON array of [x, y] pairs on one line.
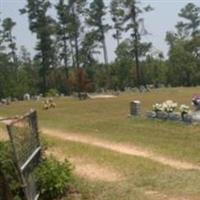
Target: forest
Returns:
[[68, 45]]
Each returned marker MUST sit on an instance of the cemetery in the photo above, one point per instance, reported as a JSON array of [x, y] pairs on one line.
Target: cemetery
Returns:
[[99, 100], [104, 131]]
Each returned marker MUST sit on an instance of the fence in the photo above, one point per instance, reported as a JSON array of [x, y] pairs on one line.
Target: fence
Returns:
[[24, 138]]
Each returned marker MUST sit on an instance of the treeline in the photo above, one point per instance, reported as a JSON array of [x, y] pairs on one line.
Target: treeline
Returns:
[[68, 45]]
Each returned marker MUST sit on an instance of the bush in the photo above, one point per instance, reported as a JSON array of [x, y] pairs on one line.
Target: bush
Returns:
[[9, 171], [52, 93], [53, 178]]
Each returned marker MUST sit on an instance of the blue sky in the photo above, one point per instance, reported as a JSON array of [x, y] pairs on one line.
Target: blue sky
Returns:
[[162, 19]]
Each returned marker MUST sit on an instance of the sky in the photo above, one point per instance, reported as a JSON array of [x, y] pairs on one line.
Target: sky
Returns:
[[158, 22]]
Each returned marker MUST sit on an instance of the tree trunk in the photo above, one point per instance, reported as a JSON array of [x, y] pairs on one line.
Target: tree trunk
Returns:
[[13, 52], [44, 79], [65, 56], [136, 41], [72, 52], [76, 40], [105, 53], [76, 51], [118, 35]]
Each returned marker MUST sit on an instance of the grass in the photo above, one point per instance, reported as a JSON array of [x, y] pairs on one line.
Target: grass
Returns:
[[108, 119], [139, 175]]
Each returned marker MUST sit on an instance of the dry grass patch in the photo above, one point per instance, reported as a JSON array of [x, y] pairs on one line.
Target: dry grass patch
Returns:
[[87, 168], [121, 148]]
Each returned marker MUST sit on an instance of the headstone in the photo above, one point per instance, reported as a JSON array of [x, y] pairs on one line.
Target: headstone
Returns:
[[27, 97], [150, 86], [134, 89], [188, 118], [3, 101], [102, 90], [196, 116], [135, 108], [142, 88], [161, 85], [162, 115], [174, 117], [37, 97], [116, 93], [197, 107], [83, 96], [8, 100], [15, 99], [127, 89], [151, 115]]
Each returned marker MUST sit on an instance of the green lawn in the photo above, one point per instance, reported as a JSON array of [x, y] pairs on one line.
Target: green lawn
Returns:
[[108, 119]]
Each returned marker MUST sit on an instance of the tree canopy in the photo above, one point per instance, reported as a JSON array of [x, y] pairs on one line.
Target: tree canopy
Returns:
[[69, 44]]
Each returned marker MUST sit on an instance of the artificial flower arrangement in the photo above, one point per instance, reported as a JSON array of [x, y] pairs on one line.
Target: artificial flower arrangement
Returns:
[[196, 100], [166, 110], [168, 106], [157, 107], [184, 109]]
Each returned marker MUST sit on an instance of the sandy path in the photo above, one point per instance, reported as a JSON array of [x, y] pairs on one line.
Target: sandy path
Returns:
[[3, 134], [88, 169], [101, 96], [121, 148], [160, 196], [96, 172]]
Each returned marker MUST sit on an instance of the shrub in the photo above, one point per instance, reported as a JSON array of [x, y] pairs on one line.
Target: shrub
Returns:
[[52, 93], [9, 171], [53, 178]]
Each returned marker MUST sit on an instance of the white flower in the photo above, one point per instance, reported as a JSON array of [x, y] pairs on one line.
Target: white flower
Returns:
[[169, 106], [184, 109], [157, 107]]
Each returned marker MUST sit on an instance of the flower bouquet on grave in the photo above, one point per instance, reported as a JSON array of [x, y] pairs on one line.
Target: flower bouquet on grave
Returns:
[[169, 106], [184, 110], [196, 102], [157, 107]]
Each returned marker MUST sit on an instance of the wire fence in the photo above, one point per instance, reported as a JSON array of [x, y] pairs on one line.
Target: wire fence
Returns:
[[24, 138]]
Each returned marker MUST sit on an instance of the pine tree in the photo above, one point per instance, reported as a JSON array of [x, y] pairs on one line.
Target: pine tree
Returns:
[[43, 26], [76, 12], [96, 17], [191, 16], [63, 32], [8, 38], [117, 14], [135, 24]]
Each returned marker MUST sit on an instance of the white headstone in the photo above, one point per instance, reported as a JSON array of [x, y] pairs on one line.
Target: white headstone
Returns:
[[27, 97]]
